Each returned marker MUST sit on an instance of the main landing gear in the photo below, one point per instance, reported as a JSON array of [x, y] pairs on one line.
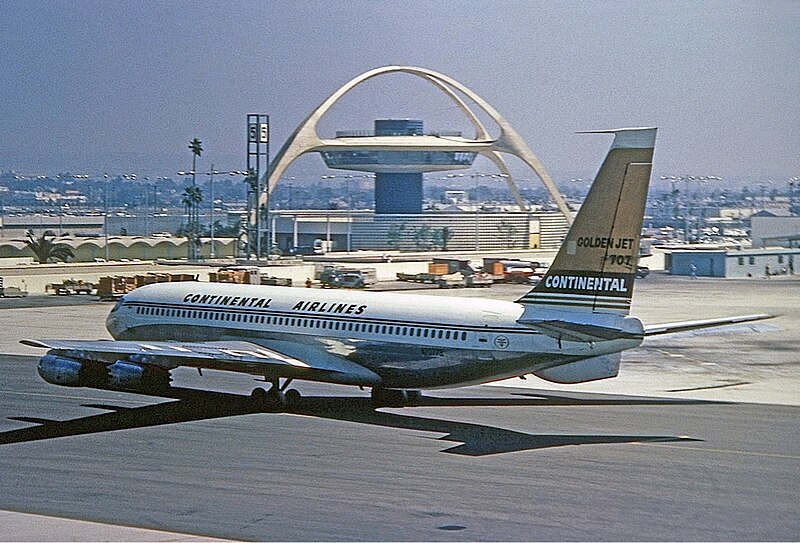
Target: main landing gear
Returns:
[[277, 397], [395, 397]]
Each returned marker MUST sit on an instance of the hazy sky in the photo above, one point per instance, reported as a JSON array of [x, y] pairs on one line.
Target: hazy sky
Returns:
[[89, 87]]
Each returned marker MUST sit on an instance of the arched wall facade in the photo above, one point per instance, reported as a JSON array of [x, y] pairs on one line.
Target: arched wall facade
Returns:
[[305, 138], [118, 249]]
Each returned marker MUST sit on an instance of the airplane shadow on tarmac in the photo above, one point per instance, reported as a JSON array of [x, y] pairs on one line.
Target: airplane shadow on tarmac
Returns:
[[473, 439]]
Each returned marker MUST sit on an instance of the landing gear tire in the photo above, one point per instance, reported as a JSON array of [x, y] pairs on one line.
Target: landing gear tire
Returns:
[[393, 397], [413, 397], [270, 400], [292, 397]]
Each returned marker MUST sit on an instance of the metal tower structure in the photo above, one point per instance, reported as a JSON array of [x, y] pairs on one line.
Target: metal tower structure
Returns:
[[257, 227]]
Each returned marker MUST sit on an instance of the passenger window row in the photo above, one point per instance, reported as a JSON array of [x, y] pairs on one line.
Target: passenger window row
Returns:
[[408, 331]]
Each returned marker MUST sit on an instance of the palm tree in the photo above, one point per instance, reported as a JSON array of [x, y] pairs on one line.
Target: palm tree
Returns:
[[191, 198], [197, 150], [45, 250]]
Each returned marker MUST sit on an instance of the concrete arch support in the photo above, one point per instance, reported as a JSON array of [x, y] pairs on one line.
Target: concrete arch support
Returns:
[[305, 138]]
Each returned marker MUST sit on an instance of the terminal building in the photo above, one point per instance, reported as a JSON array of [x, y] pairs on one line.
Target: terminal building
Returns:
[[428, 231]]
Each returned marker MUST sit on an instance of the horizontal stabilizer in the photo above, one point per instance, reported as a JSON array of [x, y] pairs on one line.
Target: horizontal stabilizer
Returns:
[[573, 331], [684, 326]]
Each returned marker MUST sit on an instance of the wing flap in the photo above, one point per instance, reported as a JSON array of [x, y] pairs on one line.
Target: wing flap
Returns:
[[238, 356]]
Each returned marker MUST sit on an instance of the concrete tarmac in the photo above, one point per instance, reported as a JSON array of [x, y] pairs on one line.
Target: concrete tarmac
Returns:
[[480, 463]]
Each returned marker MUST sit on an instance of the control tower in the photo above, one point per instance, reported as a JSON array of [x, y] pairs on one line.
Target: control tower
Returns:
[[398, 173]]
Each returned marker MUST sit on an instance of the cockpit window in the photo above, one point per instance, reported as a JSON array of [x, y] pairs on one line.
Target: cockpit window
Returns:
[[118, 304]]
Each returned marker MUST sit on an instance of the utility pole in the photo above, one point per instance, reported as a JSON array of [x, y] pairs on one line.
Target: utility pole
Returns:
[[105, 215], [211, 254]]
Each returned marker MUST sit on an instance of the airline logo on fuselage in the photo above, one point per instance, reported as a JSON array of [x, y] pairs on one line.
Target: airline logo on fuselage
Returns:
[[329, 307], [216, 299], [309, 306]]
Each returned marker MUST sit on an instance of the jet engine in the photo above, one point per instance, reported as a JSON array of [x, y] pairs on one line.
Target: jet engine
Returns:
[[61, 371], [121, 375]]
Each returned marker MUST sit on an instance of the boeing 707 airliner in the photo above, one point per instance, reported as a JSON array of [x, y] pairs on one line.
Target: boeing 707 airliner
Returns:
[[570, 328]]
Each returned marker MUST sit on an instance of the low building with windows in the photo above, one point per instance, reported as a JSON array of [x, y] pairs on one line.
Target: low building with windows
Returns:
[[732, 263], [429, 231]]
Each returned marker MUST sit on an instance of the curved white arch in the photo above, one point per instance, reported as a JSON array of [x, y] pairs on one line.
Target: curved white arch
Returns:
[[482, 134], [305, 138]]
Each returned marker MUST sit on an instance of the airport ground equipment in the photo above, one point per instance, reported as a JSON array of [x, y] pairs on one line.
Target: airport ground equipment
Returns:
[[241, 275], [449, 273], [514, 270], [68, 287], [11, 292], [115, 286], [345, 277]]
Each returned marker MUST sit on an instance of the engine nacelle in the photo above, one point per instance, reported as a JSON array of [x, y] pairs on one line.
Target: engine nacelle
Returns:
[[61, 371], [123, 374], [126, 375], [589, 369]]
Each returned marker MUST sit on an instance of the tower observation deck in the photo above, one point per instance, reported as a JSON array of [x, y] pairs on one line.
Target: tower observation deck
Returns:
[[398, 152]]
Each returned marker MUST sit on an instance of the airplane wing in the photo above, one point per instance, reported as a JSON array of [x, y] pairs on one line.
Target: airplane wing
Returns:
[[238, 356], [684, 326]]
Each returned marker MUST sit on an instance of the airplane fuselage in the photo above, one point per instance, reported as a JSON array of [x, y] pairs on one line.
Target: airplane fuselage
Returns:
[[409, 341]]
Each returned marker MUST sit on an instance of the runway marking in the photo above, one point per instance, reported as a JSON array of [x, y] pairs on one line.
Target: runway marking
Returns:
[[85, 398], [723, 451]]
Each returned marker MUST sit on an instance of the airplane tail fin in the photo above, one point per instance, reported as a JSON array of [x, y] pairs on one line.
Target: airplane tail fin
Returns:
[[595, 267]]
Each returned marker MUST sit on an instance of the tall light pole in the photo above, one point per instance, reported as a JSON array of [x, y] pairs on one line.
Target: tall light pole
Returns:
[[211, 174], [477, 217], [105, 215], [211, 191], [348, 179], [2, 190], [475, 176], [212, 254]]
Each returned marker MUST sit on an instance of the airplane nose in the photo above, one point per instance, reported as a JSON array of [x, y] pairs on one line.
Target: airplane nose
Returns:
[[114, 326]]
